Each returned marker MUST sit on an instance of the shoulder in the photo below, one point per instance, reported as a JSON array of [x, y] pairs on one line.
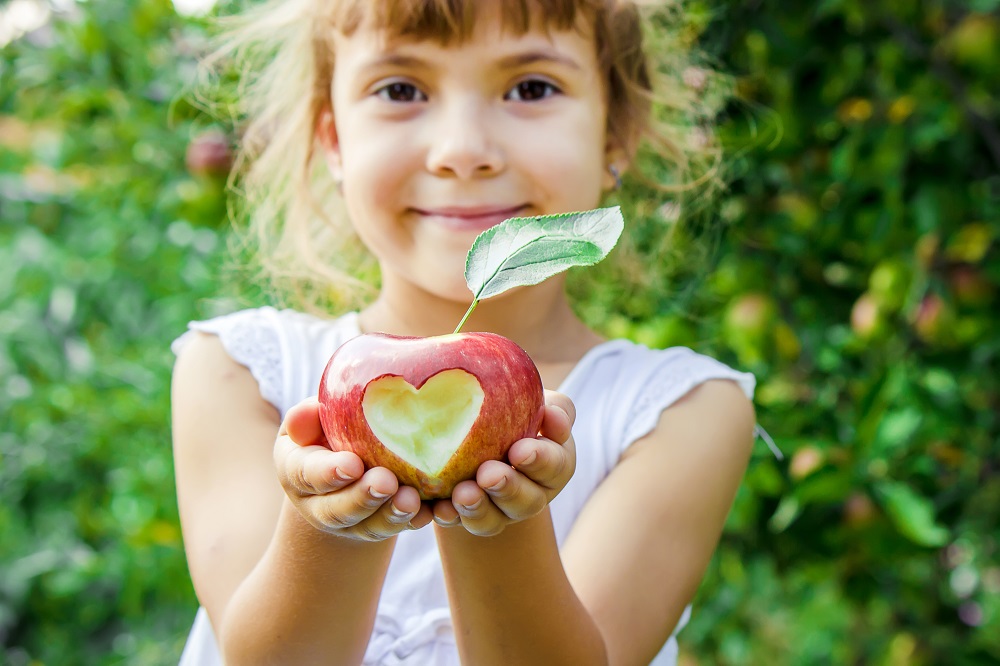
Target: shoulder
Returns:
[[714, 415], [250, 331], [283, 350], [205, 375], [635, 385]]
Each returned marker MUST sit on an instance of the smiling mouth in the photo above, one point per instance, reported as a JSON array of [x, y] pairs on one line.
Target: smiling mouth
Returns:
[[470, 219]]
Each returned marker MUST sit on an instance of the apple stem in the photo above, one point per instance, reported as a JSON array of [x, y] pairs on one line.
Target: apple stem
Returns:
[[468, 312]]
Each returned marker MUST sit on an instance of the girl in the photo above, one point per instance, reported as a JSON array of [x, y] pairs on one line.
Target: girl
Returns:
[[435, 120]]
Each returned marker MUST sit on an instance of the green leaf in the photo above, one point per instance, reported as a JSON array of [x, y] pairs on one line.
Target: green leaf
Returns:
[[788, 510], [912, 514], [523, 251], [897, 428]]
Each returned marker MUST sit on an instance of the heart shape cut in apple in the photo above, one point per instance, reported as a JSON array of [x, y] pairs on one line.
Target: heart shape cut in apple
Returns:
[[431, 410], [423, 426]]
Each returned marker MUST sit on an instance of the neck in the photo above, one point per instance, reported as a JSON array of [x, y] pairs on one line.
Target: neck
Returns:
[[538, 318]]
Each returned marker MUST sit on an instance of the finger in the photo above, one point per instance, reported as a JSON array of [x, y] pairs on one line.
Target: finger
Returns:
[[544, 461], [394, 516], [423, 518], [479, 515], [514, 494], [303, 425], [445, 514], [356, 502], [314, 470], [562, 401], [557, 424]]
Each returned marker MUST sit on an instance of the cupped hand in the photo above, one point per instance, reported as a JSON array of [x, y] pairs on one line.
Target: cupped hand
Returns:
[[502, 494], [332, 490]]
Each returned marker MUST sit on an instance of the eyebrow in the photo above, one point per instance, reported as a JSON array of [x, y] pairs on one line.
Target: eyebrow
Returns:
[[393, 60], [531, 57], [516, 60]]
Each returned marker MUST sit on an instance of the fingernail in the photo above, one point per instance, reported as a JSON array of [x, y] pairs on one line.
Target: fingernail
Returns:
[[400, 514], [530, 459], [444, 523], [498, 486], [341, 474], [469, 508], [377, 495]]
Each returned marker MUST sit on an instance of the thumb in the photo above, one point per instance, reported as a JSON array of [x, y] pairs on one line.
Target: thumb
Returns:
[[302, 424]]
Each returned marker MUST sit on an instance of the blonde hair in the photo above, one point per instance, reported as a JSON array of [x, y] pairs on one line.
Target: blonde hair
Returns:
[[271, 73]]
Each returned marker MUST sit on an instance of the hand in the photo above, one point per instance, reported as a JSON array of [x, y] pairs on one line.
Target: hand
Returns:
[[332, 490], [503, 494]]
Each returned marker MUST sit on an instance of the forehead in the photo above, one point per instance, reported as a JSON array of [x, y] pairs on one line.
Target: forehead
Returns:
[[454, 21]]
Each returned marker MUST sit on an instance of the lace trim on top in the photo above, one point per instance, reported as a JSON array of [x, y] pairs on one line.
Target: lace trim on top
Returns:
[[250, 340], [681, 371]]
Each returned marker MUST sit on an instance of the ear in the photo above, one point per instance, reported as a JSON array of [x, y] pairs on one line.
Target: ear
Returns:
[[326, 133], [614, 155]]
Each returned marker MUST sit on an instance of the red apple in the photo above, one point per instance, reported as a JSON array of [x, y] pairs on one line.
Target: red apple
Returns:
[[431, 410], [209, 154], [806, 460], [867, 319], [858, 509], [930, 317]]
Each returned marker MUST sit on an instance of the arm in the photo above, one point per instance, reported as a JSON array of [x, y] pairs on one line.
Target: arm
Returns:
[[511, 600], [279, 583], [633, 561], [638, 551]]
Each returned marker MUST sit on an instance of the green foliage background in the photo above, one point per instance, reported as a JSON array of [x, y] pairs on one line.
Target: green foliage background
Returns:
[[856, 276]]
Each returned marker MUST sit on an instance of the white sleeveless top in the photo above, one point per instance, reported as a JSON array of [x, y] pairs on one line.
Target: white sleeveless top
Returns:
[[619, 389]]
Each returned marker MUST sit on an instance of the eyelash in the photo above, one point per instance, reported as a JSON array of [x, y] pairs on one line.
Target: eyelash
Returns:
[[551, 88], [386, 91]]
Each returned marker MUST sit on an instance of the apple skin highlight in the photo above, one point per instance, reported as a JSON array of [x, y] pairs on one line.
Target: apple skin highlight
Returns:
[[512, 400]]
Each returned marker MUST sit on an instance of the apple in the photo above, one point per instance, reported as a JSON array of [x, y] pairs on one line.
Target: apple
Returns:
[[806, 460], [431, 410], [209, 155], [889, 284], [748, 326], [970, 285], [867, 318], [859, 510], [931, 317]]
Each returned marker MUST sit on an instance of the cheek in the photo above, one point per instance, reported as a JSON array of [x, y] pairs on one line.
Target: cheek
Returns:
[[375, 169], [572, 174], [570, 156]]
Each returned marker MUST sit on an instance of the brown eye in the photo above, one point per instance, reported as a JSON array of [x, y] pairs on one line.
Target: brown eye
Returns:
[[400, 92], [531, 90]]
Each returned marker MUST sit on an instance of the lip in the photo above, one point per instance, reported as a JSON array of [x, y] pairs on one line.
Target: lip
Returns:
[[469, 218]]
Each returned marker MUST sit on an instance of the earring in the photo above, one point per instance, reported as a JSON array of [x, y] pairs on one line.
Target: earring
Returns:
[[617, 174]]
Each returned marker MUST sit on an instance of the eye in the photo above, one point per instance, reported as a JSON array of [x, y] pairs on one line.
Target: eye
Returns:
[[531, 90], [400, 91]]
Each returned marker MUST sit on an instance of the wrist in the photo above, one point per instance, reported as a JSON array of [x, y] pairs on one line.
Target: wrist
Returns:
[[515, 535], [295, 530]]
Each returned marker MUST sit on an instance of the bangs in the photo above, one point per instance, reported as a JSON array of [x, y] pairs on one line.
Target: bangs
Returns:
[[453, 21]]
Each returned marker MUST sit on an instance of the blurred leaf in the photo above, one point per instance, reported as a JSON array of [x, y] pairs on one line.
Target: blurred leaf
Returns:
[[912, 514]]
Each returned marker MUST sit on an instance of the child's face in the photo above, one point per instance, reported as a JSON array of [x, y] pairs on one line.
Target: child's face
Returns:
[[434, 144]]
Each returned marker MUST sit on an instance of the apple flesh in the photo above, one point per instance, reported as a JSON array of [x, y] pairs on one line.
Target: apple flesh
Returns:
[[431, 410]]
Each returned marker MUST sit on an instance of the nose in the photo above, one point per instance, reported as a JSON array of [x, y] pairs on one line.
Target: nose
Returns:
[[464, 142]]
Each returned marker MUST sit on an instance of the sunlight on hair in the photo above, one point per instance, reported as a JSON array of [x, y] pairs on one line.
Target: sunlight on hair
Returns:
[[21, 17], [269, 76], [194, 7]]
